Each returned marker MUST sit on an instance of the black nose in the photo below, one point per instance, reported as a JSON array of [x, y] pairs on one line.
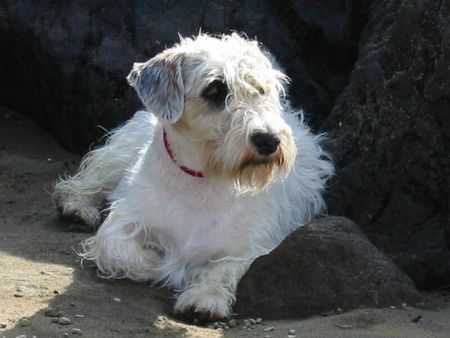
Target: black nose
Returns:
[[265, 143]]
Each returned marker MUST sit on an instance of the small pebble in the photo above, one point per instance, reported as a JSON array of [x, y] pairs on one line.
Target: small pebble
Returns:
[[232, 323], [3, 325], [117, 299], [51, 313], [215, 325], [55, 320], [66, 334], [77, 331], [404, 306], [246, 323], [268, 329], [18, 295], [73, 304], [21, 336], [259, 320], [222, 324], [291, 336], [64, 321], [79, 316], [339, 310], [24, 322], [252, 321], [226, 327], [291, 331], [267, 336]]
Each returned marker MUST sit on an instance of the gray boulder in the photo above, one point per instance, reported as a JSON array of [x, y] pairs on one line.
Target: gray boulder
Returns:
[[390, 137], [322, 266]]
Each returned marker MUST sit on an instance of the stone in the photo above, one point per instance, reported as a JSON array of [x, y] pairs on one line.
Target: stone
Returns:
[[52, 313], [232, 323], [64, 321], [77, 331], [389, 137], [321, 264]]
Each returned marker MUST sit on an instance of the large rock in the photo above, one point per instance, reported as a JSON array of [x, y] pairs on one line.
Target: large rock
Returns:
[[322, 266], [64, 63], [391, 137]]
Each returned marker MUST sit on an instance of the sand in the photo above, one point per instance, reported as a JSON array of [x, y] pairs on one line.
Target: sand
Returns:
[[40, 270]]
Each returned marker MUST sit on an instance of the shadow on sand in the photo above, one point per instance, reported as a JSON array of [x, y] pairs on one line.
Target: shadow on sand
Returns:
[[40, 267]]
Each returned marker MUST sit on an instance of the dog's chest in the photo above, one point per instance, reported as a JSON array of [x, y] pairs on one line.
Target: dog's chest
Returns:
[[201, 208], [196, 221]]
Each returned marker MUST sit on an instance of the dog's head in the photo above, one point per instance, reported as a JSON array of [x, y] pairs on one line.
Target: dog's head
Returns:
[[225, 93]]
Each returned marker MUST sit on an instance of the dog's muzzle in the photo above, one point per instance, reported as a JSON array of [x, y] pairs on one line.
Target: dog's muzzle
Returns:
[[265, 143]]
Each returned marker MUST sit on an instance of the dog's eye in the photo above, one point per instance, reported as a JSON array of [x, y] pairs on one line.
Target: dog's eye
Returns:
[[216, 92]]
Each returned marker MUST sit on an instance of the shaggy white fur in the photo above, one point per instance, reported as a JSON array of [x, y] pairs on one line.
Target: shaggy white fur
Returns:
[[220, 102]]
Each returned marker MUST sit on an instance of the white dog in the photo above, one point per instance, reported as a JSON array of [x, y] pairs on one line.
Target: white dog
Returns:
[[215, 173]]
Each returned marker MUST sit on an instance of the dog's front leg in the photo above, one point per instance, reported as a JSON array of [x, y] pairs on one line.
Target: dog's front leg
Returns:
[[121, 249], [83, 195], [210, 294]]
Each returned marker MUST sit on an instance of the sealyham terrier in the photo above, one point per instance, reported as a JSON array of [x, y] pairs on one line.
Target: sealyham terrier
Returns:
[[216, 172]]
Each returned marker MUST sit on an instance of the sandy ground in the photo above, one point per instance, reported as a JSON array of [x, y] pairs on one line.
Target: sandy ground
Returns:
[[40, 270]]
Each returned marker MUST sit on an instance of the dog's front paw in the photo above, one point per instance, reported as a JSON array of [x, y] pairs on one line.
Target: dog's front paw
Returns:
[[200, 305], [82, 209], [89, 217]]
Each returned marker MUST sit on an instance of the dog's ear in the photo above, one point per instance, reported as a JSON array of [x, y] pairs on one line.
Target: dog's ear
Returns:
[[159, 84]]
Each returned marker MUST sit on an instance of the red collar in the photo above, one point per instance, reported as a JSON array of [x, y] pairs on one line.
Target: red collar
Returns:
[[187, 170]]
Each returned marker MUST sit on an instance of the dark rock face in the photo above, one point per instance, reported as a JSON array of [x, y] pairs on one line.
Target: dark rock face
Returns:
[[380, 67], [322, 266], [315, 41], [392, 148], [65, 62]]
